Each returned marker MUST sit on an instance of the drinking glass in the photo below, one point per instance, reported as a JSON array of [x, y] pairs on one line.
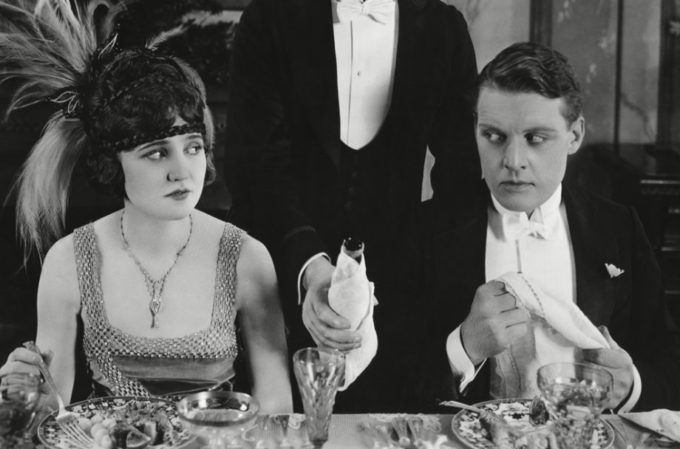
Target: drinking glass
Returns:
[[575, 395], [19, 397], [319, 372], [218, 417]]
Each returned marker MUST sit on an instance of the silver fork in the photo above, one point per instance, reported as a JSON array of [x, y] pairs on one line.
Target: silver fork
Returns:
[[68, 421], [401, 428], [462, 405], [417, 428], [372, 435], [384, 434], [282, 421]]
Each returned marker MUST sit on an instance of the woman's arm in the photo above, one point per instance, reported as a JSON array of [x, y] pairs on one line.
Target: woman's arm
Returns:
[[261, 320], [58, 307]]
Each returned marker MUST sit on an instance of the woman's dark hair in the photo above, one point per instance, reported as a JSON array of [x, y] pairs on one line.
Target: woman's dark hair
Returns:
[[139, 94], [529, 67], [110, 100]]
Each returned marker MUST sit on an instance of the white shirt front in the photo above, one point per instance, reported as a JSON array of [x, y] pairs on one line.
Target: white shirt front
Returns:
[[365, 54], [547, 261]]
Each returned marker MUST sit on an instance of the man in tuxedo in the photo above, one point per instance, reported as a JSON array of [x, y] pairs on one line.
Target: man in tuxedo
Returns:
[[332, 106], [573, 247]]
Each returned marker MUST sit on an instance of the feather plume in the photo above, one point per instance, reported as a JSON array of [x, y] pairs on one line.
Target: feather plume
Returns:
[[46, 46], [194, 18]]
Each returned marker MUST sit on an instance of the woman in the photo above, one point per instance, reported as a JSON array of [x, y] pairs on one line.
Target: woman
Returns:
[[158, 284]]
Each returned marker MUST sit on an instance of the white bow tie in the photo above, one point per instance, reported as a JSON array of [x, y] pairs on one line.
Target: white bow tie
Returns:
[[516, 226], [379, 10]]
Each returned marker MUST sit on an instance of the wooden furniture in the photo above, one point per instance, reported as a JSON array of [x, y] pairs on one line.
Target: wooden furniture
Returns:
[[648, 177]]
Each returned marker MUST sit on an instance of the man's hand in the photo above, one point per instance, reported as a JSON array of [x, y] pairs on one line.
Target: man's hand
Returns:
[[327, 328], [493, 323], [617, 362]]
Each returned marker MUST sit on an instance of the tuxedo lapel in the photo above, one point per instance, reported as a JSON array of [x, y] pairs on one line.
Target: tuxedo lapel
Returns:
[[593, 246], [419, 68], [311, 52], [459, 258]]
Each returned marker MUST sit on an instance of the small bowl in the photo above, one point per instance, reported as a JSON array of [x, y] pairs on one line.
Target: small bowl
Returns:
[[217, 416]]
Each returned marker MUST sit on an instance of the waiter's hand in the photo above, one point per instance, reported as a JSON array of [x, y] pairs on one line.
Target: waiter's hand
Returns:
[[617, 362], [494, 322], [327, 328]]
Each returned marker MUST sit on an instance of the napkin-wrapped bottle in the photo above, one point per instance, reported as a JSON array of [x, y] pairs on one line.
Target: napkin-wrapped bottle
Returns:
[[351, 296]]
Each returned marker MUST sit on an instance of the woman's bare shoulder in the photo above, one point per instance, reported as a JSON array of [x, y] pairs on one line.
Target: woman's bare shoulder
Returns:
[[61, 255], [58, 277], [59, 273], [254, 254], [256, 274]]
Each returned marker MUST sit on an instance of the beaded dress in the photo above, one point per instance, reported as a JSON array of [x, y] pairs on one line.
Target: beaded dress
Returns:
[[128, 365]]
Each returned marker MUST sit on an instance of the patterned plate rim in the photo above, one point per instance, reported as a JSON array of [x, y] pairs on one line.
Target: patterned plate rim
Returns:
[[458, 416], [43, 423]]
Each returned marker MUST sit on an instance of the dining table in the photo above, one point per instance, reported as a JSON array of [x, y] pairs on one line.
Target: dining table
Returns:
[[346, 432]]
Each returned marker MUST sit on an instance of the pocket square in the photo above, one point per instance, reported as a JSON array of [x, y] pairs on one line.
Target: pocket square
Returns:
[[613, 270]]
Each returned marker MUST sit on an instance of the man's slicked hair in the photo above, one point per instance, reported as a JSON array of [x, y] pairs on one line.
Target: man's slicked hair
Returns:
[[528, 67]]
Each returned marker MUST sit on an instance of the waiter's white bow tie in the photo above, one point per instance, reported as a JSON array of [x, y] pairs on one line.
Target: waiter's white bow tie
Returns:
[[516, 226], [379, 10]]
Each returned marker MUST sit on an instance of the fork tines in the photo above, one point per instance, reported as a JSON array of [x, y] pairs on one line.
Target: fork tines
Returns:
[[75, 436]]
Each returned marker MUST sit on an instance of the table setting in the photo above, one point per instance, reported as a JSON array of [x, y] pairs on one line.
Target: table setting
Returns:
[[568, 413], [571, 404]]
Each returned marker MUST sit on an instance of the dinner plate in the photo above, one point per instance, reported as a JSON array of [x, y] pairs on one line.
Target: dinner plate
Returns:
[[122, 408], [467, 427]]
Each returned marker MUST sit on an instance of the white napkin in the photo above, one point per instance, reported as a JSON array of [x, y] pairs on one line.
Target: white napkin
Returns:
[[351, 296], [662, 421], [556, 329]]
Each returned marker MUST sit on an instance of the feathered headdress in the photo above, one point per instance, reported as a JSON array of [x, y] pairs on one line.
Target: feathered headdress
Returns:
[[46, 48], [57, 51]]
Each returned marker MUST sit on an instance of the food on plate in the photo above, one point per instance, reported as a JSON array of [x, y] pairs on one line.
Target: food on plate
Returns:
[[110, 433], [123, 423], [502, 435], [515, 436], [538, 413], [508, 424]]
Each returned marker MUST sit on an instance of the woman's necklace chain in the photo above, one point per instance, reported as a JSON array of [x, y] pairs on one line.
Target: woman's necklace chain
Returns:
[[155, 287]]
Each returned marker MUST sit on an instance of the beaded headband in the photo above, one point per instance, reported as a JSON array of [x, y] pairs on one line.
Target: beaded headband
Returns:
[[138, 139], [71, 103]]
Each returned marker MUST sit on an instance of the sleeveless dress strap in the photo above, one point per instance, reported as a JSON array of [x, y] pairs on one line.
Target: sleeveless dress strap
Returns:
[[103, 343], [97, 337], [226, 282]]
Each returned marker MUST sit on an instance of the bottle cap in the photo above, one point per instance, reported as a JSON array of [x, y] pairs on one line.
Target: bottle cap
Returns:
[[353, 244]]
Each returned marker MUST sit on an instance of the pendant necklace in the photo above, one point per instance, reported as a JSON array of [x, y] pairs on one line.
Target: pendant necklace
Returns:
[[155, 287]]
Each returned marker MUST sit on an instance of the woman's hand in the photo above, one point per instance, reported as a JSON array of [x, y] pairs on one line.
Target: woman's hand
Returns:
[[21, 360]]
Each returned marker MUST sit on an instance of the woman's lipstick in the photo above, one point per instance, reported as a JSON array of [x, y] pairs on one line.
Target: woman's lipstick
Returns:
[[178, 194]]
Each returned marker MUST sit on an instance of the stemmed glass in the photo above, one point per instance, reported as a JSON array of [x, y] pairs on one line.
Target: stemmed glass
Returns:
[[575, 395], [319, 372], [19, 397], [218, 417]]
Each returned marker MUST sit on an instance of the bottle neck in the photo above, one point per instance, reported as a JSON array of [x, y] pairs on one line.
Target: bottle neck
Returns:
[[353, 248]]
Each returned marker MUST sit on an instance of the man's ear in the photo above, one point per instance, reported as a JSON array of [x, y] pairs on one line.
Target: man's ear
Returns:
[[577, 132]]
